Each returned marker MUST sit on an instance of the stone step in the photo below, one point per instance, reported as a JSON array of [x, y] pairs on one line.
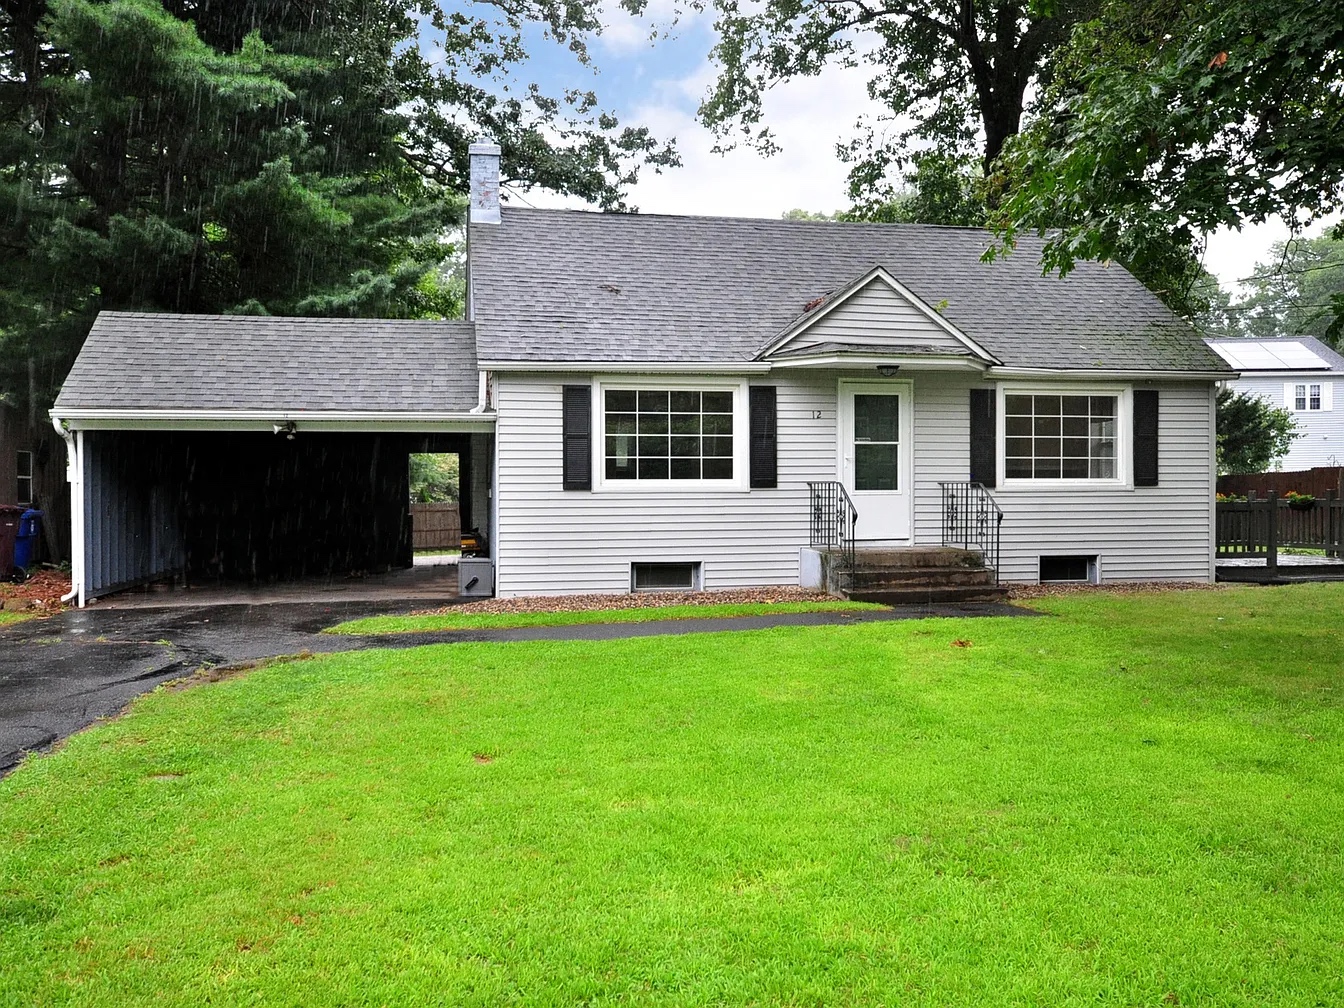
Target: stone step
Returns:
[[917, 556], [928, 594], [899, 577]]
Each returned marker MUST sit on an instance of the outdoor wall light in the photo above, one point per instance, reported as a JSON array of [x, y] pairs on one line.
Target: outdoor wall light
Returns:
[[888, 370], [288, 429]]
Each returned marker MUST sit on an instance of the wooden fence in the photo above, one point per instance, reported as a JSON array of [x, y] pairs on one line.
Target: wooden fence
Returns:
[[435, 527], [1318, 482], [1260, 527]]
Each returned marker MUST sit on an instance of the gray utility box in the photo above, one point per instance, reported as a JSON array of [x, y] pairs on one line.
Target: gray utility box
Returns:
[[475, 576]]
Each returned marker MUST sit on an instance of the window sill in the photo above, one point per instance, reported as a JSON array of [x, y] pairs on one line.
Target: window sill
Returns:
[[1064, 484]]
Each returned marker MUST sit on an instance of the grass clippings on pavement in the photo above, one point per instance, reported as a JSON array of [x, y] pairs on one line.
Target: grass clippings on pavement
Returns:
[[1134, 803]]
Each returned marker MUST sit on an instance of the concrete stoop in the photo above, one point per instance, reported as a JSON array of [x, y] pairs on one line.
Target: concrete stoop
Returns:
[[916, 575]]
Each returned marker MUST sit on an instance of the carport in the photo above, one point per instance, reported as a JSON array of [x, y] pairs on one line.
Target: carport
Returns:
[[249, 449]]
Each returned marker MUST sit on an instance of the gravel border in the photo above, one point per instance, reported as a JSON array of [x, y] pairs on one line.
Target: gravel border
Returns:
[[640, 600]]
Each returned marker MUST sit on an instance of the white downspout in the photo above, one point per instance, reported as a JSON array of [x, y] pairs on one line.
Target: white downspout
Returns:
[[74, 474]]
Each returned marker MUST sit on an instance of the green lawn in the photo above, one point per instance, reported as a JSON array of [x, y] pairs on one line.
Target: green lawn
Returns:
[[11, 616], [1137, 801], [500, 621]]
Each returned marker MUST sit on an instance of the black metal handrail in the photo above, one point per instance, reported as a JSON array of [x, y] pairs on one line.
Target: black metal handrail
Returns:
[[972, 519], [834, 517]]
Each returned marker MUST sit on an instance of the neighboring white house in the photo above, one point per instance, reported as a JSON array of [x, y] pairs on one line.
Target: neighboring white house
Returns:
[[674, 401], [1299, 374]]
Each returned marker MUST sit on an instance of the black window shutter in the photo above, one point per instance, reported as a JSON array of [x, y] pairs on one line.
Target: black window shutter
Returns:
[[578, 437], [984, 444], [1145, 437], [763, 436]]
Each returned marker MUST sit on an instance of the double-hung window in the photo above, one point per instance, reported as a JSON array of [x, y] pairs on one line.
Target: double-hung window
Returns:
[[661, 435], [1306, 397], [25, 477], [1061, 437]]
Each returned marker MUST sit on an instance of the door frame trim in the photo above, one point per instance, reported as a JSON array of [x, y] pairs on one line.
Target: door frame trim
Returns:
[[905, 388]]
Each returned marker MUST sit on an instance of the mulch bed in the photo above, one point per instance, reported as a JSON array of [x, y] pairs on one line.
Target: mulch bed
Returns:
[[43, 590], [642, 600]]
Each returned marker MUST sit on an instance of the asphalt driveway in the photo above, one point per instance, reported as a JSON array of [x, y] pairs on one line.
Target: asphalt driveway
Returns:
[[61, 674]]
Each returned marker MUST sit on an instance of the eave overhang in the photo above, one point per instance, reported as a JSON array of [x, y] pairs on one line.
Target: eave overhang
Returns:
[[337, 421]]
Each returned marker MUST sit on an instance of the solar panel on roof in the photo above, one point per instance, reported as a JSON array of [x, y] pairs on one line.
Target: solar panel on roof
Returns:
[[1252, 355], [1295, 355]]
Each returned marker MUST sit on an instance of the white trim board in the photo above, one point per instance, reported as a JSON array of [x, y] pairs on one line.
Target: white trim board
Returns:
[[266, 420], [805, 322]]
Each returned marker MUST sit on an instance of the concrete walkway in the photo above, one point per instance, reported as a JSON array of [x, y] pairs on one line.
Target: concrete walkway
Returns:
[[61, 674]]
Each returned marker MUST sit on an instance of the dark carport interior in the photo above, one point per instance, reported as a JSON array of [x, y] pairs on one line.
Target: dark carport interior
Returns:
[[252, 506]]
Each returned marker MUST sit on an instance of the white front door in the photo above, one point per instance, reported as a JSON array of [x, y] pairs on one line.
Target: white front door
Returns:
[[876, 458]]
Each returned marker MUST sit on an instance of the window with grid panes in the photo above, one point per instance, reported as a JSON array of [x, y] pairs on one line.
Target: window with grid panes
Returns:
[[668, 434], [1060, 436]]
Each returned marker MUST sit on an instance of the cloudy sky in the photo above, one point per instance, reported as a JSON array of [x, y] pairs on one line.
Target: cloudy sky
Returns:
[[660, 83]]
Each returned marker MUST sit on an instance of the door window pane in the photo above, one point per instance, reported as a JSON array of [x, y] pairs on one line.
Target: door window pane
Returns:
[[877, 418], [875, 466]]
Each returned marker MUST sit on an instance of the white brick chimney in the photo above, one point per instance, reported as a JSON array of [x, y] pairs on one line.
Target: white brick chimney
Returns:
[[484, 182]]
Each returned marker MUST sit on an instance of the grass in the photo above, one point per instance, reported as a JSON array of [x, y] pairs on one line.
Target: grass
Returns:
[[501, 621], [10, 616], [1135, 801]]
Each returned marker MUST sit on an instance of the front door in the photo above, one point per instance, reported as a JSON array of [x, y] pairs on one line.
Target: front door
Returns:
[[875, 456]]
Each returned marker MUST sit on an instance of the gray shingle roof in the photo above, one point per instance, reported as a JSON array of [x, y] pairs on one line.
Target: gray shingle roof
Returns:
[[573, 285], [223, 362]]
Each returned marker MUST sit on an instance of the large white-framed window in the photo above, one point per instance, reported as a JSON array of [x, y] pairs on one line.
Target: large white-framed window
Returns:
[[1070, 436], [1309, 396], [659, 433], [24, 466]]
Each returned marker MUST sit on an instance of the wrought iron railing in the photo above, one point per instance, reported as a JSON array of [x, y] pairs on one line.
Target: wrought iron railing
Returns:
[[833, 519], [972, 519]]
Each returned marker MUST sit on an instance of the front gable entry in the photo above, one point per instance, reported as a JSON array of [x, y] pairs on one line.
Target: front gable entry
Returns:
[[876, 311]]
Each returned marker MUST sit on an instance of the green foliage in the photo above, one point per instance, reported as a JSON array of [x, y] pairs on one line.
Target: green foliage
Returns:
[[272, 158], [941, 189], [1165, 120], [1134, 802], [1252, 433], [953, 75], [434, 478], [1299, 291]]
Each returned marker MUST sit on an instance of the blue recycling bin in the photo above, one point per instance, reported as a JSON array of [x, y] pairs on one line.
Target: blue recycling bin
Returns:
[[25, 544]]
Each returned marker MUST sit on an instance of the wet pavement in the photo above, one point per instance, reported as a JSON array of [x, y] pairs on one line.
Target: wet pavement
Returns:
[[61, 674]]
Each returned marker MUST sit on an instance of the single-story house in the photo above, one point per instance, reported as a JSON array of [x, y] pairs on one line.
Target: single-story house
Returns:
[[1299, 374], [657, 401]]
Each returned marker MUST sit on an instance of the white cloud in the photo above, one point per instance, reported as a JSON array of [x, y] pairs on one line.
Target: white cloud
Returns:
[[625, 34], [807, 117], [1233, 255]]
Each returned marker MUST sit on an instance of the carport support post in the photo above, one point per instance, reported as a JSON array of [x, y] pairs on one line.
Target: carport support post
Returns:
[[74, 475]]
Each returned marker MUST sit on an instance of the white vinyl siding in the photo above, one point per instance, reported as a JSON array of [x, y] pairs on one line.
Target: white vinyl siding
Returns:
[[878, 315], [1322, 440], [552, 541], [1151, 533]]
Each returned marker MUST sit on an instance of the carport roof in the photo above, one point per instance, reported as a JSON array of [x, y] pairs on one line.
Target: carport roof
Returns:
[[150, 361]]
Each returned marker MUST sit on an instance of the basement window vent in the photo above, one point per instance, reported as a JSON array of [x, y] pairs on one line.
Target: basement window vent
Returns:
[[664, 577], [1079, 569]]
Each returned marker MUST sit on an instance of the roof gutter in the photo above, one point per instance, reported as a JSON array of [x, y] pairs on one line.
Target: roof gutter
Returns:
[[1114, 373], [266, 420], [628, 367]]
